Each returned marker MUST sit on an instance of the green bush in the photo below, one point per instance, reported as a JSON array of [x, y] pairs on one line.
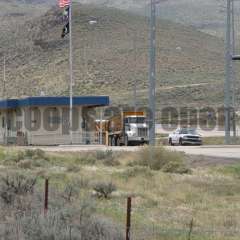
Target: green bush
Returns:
[[158, 158]]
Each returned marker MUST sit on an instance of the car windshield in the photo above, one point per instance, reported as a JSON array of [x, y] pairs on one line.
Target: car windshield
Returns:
[[188, 131], [136, 120]]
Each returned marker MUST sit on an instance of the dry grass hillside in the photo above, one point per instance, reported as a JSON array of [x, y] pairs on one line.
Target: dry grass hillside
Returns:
[[205, 15], [109, 55]]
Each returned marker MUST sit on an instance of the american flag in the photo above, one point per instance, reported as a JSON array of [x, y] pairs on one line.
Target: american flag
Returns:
[[63, 3]]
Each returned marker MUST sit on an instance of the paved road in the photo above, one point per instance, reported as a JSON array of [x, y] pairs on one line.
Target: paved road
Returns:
[[232, 152], [81, 148], [212, 151]]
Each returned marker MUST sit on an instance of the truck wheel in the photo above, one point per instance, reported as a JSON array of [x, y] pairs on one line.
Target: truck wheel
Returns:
[[109, 141], [170, 142], [126, 143], [118, 141], [113, 141]]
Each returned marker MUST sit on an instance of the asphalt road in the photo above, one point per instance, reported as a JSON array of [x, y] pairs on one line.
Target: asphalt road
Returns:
[[231, 152], [228, 152]]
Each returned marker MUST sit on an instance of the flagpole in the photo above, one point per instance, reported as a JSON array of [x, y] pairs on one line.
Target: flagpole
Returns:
[[71, 74]]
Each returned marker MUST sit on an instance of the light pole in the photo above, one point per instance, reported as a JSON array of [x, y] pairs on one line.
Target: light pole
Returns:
[[152, 73], [228, 60]]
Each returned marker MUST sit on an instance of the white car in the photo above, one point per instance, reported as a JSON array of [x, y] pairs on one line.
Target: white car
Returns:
[[184, 136]]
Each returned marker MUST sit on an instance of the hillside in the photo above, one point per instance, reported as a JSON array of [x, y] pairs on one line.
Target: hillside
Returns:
[[109, 55], [205, 15]]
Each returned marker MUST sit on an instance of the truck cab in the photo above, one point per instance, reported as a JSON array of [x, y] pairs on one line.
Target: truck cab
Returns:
[[136, 130], [129, 128]]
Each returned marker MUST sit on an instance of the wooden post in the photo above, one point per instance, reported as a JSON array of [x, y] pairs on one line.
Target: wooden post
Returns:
[[46, 196], [128, 224]]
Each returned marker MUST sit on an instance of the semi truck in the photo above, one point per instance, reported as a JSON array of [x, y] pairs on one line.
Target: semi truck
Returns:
[[128, 128]]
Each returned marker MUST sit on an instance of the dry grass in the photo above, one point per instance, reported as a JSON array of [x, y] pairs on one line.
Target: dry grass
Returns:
[[164, 204]]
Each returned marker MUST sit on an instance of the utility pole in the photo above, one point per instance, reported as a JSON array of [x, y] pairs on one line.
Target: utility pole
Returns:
[[227, 90], [135, 71], [71, 74], [233, 70], [152, 73], [4, 95], [4, 77]]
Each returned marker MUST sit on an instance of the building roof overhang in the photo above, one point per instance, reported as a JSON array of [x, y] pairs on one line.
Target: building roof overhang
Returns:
[[94, 101]]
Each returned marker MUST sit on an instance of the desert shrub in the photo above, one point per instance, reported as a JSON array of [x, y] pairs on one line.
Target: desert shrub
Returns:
[[111, 162], [73, 168], [40, 154], [30, 163], [55, 227], [101, 155], [25, 164], [73, 222], [176, 167], [88, 159], [15, 184], [29, 153], [2, 154], [27, 159], [107, 157], [104, 189], [82, 182], [7, 231], [37, 154], [102, 229], [13, 157], [71, 190], [158, 158], [136, 171]]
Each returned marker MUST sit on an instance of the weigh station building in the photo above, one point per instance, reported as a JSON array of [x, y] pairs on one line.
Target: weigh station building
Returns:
[[45, 120]]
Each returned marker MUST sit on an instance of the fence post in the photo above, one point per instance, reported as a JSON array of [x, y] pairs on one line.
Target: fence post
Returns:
[[128, 225], [46, 196]]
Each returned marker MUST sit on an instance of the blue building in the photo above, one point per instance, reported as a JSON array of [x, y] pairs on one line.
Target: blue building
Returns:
[[45, 120]]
